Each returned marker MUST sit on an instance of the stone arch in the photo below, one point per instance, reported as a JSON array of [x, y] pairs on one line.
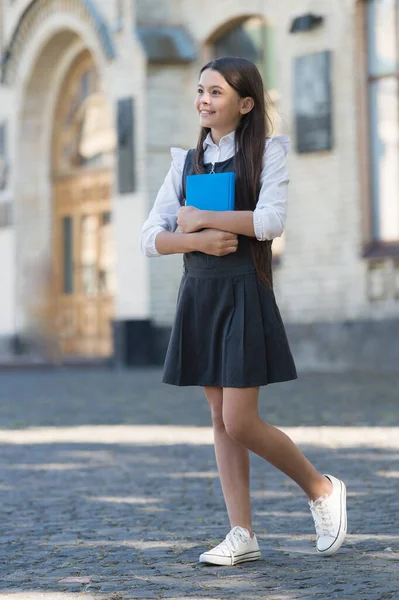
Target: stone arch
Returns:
[[224, 26], [44, 57], [223, 20], [38, 11]]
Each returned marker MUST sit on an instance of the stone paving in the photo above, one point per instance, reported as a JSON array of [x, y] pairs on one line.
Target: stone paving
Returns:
[[109, 489]]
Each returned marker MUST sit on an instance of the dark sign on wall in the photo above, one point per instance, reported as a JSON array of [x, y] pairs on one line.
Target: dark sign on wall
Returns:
[[3, 156], [5, 214], [312, 102], [126, 155]]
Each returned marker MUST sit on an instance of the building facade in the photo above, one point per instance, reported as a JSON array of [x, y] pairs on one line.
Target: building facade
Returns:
[[93, 95]]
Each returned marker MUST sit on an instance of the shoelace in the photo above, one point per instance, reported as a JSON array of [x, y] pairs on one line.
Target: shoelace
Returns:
[[233, 538], [322, 518]]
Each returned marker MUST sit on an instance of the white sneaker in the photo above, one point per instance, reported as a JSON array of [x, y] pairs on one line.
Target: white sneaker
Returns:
[[238, 547], [329, 515]]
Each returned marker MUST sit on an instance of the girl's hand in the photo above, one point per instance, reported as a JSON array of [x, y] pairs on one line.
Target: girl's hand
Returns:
[[189, 219], [217, 243]]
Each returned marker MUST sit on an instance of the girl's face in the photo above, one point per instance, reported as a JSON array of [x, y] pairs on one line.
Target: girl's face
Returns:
[[219, 106]]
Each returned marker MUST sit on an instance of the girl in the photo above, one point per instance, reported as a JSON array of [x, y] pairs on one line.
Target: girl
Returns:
[[228, 336]]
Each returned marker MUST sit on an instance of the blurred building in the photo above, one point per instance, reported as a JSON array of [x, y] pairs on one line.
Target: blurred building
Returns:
[[93, 94]]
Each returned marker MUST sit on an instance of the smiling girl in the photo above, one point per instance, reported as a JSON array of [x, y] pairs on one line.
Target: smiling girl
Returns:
[[228, 336]]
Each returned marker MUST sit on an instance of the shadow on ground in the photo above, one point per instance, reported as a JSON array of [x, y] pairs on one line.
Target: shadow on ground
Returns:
[[132, 520]]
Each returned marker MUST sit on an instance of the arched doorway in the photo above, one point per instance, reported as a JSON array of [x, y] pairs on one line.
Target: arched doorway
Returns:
[[82, 242]]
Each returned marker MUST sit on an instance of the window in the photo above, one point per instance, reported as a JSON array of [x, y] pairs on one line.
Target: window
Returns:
[[252, 39], [67, 239], [1, 27], [383, 105], [120, 14], [3, 156]]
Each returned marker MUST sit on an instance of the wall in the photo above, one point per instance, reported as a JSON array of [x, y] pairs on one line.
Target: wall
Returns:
[[321, 274], [126, 77], [171, 121]]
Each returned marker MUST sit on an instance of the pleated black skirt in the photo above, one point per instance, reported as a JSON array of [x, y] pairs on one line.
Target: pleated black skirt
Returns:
[[227, 331]]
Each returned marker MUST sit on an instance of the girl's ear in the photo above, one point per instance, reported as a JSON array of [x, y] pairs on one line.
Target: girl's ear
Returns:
[[247, 105]]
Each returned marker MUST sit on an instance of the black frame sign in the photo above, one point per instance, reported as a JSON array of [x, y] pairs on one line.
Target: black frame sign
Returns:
[[3, 157], [313, 102], [126, 146]]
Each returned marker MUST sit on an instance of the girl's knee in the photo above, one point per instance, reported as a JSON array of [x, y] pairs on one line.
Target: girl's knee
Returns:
[[240, 412], [237, 426]]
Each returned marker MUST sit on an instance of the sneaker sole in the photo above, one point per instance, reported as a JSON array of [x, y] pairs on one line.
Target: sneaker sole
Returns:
[[225, 561], [336, 545]]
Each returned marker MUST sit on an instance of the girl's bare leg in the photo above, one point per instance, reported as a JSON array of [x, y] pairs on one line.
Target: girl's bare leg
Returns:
[[233, 465], [243, 424]]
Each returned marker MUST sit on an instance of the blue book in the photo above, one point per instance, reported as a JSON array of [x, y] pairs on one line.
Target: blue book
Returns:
[[213, 191]]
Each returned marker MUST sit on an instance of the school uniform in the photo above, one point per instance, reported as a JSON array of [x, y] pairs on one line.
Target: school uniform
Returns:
[[227, 330]]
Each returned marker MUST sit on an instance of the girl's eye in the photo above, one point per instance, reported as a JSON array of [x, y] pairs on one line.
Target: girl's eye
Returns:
[[216, 92], [199, 91]]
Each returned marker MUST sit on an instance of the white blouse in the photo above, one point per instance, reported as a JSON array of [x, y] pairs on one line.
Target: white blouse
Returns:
[[271, 209]]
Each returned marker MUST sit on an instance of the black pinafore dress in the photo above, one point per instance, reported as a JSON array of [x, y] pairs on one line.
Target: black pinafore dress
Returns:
[[227, 330]]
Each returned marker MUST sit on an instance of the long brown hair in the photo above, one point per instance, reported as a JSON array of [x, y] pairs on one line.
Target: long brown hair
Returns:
[[250, 136]]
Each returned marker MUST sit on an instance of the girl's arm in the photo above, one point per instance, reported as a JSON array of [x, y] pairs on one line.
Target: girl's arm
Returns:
[[163, 216], [236, 221], [176, 243], [209, 241], [267, 220]]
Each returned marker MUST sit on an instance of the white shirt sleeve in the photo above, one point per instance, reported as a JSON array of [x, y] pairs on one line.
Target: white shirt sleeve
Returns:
[[163, 215], [271, 210]]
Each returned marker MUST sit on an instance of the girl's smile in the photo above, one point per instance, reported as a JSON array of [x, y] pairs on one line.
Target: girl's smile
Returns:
[[206, 113]]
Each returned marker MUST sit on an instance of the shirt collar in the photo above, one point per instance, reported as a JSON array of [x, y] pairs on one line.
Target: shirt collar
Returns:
[[226, 139]]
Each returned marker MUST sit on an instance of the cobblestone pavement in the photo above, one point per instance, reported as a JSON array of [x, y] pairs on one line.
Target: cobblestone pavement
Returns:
[[109, 490]]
